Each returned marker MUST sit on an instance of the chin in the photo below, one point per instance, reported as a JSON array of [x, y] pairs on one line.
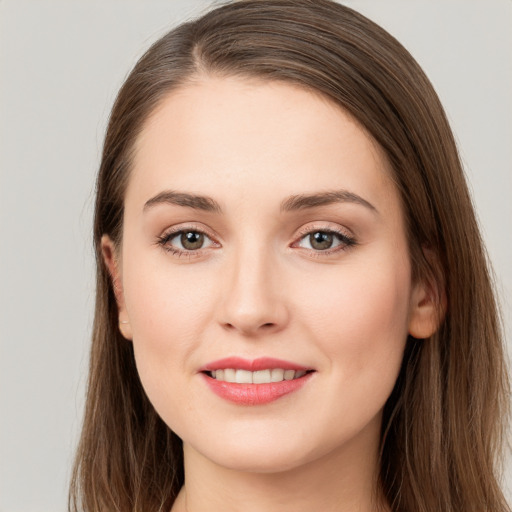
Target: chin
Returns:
[[261, 451], [258, 459]]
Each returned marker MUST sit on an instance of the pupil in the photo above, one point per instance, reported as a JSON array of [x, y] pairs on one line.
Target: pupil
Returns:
[[192, 240], [321, 240]]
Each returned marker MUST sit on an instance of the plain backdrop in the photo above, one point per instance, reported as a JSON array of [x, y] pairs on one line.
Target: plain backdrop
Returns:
[[61, 63]]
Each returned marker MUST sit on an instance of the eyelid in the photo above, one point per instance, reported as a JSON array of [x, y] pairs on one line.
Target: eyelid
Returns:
[[312, 227], [187, 226], [348, 239], [170, 233], [345, 236]]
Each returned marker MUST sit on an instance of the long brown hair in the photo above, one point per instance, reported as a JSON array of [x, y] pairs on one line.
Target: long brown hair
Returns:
[[443, 425]]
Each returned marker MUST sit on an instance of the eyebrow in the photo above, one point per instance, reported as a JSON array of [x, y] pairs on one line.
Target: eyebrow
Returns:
[[303, 201], [183, 199], [292, 203]]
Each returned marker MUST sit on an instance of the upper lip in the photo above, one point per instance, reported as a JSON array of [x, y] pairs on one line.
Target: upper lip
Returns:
[[261, 363]]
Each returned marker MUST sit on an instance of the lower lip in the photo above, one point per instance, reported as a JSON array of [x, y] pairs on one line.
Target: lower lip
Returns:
[[254, 394]]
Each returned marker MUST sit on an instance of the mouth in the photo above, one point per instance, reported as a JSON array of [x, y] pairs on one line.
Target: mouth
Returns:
[[255, 382], [267, 376]]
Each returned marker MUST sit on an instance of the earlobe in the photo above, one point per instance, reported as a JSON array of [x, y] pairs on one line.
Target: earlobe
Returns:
[[111, 259], [428, 307]]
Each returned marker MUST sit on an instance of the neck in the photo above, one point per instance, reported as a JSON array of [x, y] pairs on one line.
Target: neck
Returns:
[[344, 480]]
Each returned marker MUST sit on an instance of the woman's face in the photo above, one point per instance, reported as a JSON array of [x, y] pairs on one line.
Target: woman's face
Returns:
[[262, 232]]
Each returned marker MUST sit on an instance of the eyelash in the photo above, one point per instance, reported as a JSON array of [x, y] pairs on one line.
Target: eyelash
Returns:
[[346, 241], [163, 241]]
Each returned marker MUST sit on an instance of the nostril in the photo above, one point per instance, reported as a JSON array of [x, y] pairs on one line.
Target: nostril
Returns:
[[268, 326]]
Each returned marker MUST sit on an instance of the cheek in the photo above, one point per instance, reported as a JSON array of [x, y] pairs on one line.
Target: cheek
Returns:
[[164, 299], [169, 313], [361, 323], [361, 327]]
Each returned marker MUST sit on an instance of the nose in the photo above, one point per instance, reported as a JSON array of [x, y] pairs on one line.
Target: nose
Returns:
[[253, 302]]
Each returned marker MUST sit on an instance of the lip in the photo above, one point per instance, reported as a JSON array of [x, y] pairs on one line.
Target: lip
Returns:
[[253, 394], [261, 363]]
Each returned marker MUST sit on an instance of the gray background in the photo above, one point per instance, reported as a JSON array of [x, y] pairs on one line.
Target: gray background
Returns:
[[61, 63]]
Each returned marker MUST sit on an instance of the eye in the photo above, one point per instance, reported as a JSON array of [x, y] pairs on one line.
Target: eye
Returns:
[[190, 240], [185, 240], [324, 240]]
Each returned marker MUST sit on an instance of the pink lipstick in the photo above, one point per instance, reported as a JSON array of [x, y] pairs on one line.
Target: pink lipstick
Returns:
[[254, 382]]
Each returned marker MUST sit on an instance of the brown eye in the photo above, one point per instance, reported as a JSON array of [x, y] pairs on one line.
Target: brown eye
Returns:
[[321, 240], [191, 240], [186, 241], [325, 240]]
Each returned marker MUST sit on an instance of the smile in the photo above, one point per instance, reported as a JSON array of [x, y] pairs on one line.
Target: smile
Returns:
[[258, 377], [255, 382]]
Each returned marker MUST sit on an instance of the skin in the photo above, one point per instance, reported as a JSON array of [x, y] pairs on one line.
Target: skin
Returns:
[[259, 288]]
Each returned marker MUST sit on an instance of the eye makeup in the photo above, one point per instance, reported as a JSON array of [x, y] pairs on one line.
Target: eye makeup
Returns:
[[189, 241], [317, 240], [320, 240]]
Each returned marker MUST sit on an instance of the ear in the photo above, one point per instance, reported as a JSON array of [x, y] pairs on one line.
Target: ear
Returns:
[[111, 259], [427, 309]]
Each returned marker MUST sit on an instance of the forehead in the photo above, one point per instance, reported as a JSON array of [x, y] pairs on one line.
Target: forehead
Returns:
[[241, 135]]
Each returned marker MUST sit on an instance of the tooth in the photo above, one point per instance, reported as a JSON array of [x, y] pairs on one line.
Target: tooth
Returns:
[[261, 377], [258, 377], [230, 375], [243, 377], [276, 375], [289, 374]]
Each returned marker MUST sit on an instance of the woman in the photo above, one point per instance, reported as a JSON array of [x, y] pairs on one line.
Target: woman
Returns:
[[293, 304]]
